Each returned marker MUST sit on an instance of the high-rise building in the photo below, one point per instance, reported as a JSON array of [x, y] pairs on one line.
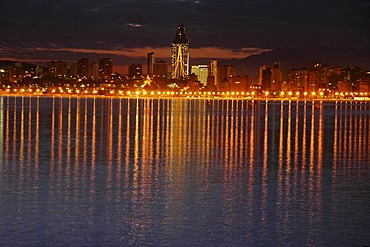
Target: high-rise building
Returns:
[[276, 76], [83, 68], [105, 68], [160, 69], [265, 77], [180, 54], [151, 61], [72, 71], [225, 72], [317, 76], [202, 73], [135, 70], [213, 71], [94, 70], [297, 79]]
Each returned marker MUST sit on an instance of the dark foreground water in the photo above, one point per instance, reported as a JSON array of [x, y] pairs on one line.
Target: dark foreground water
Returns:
[[183, 172]]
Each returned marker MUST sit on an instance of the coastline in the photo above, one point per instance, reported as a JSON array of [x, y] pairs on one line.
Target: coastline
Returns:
[[193, 97]]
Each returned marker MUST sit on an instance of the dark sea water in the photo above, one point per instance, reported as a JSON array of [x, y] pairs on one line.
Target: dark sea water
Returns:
[[176, 172]]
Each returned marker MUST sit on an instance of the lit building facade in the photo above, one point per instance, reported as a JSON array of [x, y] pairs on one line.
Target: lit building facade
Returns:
[[202, 73], [213, 71], [297, 79], [363, 84], [180, 54]]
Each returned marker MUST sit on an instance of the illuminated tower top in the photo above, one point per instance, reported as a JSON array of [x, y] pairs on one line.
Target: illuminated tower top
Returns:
[[180, 35]]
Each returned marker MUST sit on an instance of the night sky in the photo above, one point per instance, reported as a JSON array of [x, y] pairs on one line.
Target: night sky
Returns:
[[126, 30]]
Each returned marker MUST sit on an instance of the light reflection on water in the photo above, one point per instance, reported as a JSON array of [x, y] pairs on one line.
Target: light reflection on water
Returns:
[[183, 172]]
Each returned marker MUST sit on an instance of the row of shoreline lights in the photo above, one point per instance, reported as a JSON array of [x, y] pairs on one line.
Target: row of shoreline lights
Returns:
[[172, 93], [282, 94]]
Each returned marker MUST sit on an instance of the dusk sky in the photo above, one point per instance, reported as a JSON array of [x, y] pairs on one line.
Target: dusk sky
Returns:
[[126, 30]]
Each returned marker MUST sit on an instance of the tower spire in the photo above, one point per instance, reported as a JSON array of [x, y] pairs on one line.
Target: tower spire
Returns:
[[180, 35]]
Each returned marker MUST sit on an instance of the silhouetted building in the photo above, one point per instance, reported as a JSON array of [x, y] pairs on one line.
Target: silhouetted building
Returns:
[[105, 68], [94, 70], [193, 83], [225, 72], [211, 83], [7, 75], [151, 61], [180, 54], [135, 70], [239, 83], [160, 69], [72, 71], [334, 77], [83, 68], [56, 68], [276, 77], [265, 77], [42, 70], [15, 71]]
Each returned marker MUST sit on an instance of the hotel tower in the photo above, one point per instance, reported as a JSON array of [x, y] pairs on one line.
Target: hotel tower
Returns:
[[180, 54]]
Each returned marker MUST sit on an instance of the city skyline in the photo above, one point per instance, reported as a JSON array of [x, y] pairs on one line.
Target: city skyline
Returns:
[[180, 62]]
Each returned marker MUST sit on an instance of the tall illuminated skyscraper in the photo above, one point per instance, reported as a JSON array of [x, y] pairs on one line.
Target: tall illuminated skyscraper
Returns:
[[213, 70], [180, 54]]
